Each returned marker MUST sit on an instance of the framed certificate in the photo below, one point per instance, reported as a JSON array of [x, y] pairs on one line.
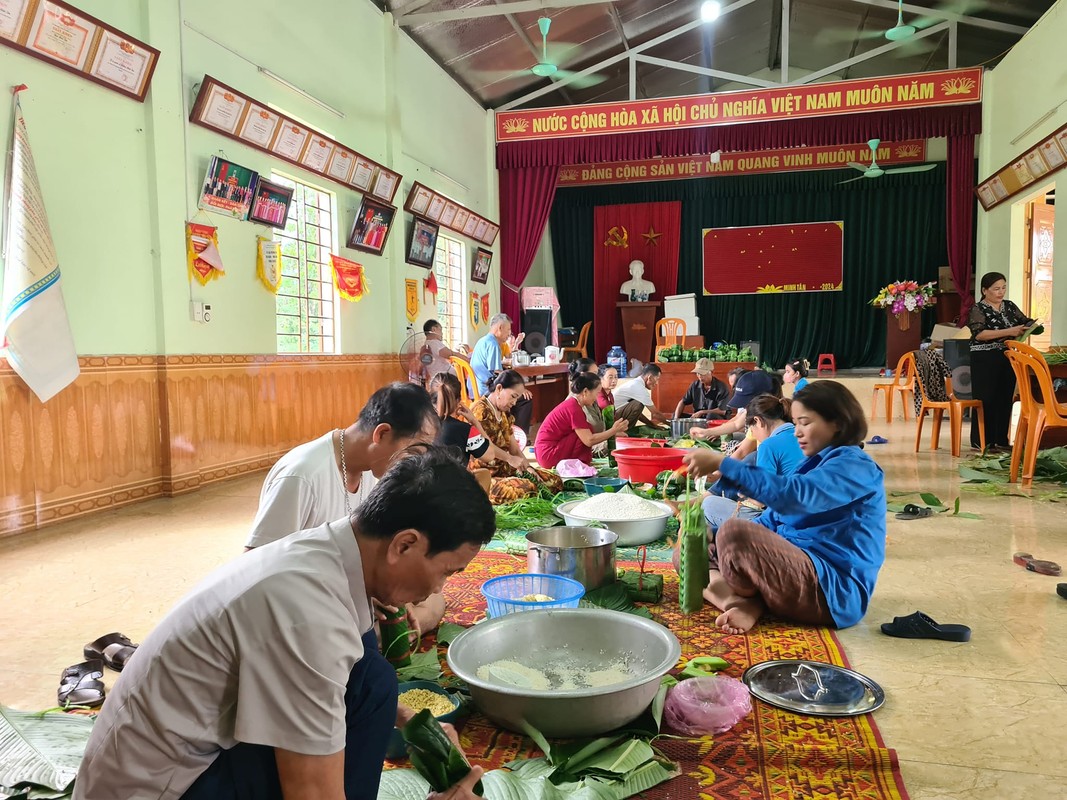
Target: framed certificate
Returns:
[[985, 194], [12, 15], [480, 229], [362, 174], [385, 184], [998, 187], [259, 126], [437, 207], [472, 223], [222, 109], [123, 63], [448, 216], [61, 34], [290, 141], [1061, 140], [419, 200], [340, 166], [317, 155], [490, 233], [1036, 163], [461, 219], [1052, 154], [1022, 172]]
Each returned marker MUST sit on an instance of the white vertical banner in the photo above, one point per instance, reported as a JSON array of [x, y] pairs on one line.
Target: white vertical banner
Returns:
[[36, 331]]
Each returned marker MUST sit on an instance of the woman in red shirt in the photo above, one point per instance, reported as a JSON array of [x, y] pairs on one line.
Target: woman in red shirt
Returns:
[[566, 433]]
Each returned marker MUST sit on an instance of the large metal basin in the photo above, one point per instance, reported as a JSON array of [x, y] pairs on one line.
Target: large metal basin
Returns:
[[593, 636], [585, 554]]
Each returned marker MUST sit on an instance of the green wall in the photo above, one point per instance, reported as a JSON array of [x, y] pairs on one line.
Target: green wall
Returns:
[[120, 178]]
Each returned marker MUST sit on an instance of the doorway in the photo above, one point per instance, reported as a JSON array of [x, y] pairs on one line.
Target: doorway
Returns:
[[1038, 264]]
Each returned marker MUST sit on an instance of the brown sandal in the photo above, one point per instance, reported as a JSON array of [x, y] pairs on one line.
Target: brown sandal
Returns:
[[80, 685], [1037, 565], [114, 649]]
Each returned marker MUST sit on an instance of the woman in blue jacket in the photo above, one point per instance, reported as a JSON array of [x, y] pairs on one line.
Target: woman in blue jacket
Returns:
[[813, 556]]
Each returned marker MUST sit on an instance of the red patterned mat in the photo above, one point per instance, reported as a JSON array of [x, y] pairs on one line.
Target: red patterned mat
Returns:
[[771, 755]]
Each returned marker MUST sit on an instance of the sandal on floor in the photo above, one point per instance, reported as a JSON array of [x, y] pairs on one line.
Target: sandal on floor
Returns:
[[912, 511], [1061, 590], [80, 685], [878, 440], [1037, 565], [114, 649], [920, 626]]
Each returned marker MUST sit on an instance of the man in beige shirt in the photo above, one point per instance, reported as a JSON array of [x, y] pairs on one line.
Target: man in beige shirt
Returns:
[[265, 681]]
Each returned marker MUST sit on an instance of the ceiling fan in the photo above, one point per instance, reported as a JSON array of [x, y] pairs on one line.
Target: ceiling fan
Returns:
[[875, 171], [904, 30], [548, 67]]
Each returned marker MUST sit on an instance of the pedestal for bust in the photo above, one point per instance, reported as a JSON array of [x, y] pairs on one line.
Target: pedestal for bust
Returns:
[[902, 335], [639, 328]]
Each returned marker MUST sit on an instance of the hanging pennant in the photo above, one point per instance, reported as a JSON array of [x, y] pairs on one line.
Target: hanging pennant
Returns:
[[269, 263], [411, 299], [350, 279], [202, 250], [485, 307], [475, 309], [429, 285]]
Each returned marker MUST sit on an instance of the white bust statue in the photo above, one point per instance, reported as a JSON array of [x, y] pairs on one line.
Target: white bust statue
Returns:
[[637, 288]]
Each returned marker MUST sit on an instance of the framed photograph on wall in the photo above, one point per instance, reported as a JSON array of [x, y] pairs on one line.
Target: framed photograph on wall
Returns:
[[270, 205], [228, 188], [372, 226], [483, 259], [423, 242]]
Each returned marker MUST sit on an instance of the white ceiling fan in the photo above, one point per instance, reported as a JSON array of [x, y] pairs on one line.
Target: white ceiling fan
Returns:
[[875, 171], [548, 65]]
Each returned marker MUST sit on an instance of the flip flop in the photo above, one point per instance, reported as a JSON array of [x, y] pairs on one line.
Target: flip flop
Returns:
[[920, 626], [1037, 565], [79, 685], [114, 649], [912, 511], [878, 440]]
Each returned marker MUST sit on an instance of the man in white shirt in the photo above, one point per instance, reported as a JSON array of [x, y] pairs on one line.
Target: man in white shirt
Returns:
[[330, 477], [265, 680], [633, 399], [438, 350]]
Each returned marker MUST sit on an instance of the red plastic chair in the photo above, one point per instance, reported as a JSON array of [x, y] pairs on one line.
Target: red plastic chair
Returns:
[[827, 362]]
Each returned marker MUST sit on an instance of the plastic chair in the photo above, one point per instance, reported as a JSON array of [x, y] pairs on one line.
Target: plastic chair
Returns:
[[1037, 416], [903, 382], [468, 383], [954, 406], [669, 330], [827, 362], [580, 349]]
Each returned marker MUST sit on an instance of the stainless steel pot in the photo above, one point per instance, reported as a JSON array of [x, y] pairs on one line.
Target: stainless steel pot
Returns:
[[586, 555], [680, 427]]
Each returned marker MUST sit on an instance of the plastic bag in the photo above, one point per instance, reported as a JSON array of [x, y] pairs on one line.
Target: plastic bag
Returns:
[[573, 468], [700, 706]]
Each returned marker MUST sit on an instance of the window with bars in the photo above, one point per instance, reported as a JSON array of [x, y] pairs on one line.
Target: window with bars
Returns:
[[450, 265], [307, 300]]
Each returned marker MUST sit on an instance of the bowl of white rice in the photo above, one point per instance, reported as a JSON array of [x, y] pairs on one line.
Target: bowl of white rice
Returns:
[[633, 519]]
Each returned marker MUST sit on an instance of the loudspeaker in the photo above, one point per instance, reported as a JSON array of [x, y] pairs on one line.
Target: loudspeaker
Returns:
[[958, 360], [537, 325]]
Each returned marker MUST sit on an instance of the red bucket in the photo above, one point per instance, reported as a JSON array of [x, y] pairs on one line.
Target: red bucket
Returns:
[[643, 464], [624, 442]]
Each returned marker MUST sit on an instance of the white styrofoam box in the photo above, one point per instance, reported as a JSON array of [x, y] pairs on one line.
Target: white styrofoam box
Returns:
[[680, 305]]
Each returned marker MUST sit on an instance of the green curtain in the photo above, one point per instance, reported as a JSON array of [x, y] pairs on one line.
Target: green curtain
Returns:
[[894, 230]]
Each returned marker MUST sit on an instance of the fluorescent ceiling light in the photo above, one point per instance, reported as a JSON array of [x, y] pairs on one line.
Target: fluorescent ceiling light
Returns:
[[710, 10]]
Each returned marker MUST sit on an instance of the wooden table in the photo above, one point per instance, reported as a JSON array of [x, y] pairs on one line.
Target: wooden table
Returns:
[[678, 375], [548, 386]]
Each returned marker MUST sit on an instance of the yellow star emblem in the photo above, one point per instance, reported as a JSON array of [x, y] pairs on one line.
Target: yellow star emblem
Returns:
[[652, 236]]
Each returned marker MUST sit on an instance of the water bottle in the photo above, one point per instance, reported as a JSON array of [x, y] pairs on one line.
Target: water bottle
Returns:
[[617, 358]]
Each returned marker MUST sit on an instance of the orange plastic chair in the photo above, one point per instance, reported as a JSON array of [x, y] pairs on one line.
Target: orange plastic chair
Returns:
[[669, 330], [954, 406], [828, 362], [956, 409], [468, 383], [581, 349], [1037, 416], [903, 382]]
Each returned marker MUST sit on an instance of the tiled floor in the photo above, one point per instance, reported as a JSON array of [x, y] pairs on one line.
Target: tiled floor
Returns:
[[981, 721]]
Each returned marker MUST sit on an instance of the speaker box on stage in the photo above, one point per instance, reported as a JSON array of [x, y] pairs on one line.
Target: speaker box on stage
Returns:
[[958, 360], [537, 325]]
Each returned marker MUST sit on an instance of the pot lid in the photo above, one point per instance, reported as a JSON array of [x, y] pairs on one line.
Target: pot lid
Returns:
[[813, 688]]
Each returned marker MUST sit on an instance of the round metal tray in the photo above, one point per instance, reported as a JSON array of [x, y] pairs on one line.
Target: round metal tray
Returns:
[[814, 688]]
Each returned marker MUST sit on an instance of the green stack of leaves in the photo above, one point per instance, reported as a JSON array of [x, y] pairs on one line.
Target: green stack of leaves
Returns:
[[693, 557], [432, 753]]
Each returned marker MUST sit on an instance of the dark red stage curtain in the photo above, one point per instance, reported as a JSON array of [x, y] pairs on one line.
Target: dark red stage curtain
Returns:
[[525, 199], [611, 262], [894, 126], [960, 200]]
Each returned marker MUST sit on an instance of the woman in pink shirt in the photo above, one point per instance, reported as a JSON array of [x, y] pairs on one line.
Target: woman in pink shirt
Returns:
[[566, 432]]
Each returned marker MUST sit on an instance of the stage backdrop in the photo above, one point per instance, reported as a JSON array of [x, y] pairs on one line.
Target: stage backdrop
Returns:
[[763, 259], [896, 230], [647, 232]]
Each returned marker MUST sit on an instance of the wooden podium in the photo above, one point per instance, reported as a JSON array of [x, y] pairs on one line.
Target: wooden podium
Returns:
[[900, 340], [639, 329]]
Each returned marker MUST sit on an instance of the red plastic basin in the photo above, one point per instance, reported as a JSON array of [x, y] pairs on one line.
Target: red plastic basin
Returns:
[[624, 442], [643, 464]]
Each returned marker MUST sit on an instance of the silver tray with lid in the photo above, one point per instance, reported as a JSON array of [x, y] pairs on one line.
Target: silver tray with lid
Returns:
[[815, 688]]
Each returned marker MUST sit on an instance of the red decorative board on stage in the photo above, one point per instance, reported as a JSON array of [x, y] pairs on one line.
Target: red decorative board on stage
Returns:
[[767, 259]]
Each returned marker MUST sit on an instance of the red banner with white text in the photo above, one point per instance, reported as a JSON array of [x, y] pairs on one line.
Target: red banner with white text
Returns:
[[768, 259], [793, 159], [887, 93]]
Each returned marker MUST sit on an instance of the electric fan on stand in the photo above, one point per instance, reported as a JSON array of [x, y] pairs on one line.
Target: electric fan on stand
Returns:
[[415, 358]]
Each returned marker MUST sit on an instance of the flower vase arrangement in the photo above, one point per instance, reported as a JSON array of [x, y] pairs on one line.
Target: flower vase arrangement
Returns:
[[904, 297]]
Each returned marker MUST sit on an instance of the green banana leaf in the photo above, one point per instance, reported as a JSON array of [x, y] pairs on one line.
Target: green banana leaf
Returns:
[[423, 667], [448, 631], [613, 597], [42, 750]]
